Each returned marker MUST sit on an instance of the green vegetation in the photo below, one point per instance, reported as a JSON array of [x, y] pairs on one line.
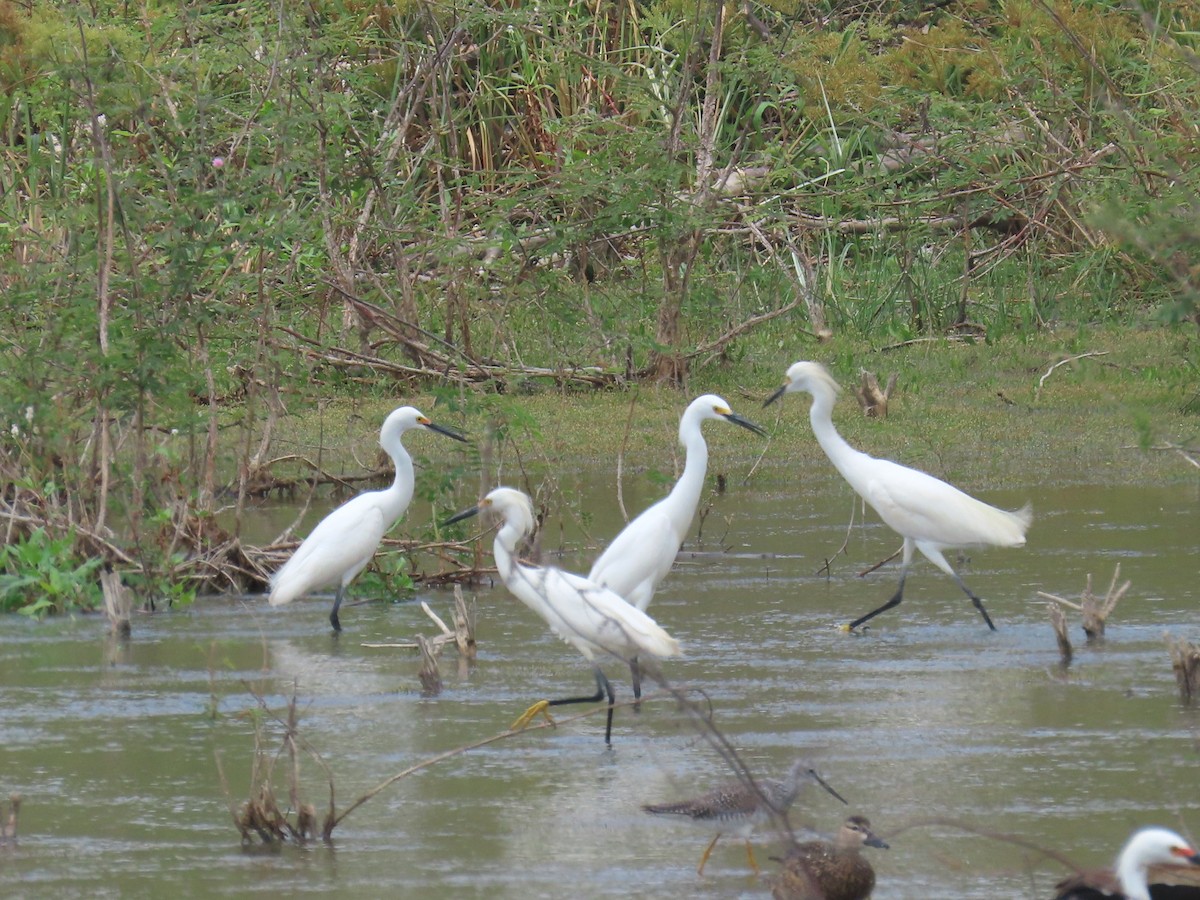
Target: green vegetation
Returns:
[[215, 215], [38, 575]]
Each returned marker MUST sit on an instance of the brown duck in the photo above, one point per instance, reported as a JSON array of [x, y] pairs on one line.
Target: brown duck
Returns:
[[830, 870]]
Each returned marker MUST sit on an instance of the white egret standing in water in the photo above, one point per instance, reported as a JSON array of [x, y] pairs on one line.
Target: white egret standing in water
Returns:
[[592, 619], [344, 542], [931, 515], [642, 554]]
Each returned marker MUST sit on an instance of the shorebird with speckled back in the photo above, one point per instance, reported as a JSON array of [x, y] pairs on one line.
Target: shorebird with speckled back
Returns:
[[740, 806], [830, 869]]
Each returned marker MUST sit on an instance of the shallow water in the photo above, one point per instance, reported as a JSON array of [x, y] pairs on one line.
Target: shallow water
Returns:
[[926, 715]]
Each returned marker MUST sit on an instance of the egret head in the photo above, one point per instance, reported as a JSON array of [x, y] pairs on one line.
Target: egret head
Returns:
[[406, 418], [710, 406], [512, 505], [806, 376]]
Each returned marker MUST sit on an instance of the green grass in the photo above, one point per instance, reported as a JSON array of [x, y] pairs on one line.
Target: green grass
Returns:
[[968, 411]]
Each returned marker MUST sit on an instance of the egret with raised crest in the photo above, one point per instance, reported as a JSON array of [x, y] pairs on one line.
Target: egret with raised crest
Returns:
[[594, 620], [931, 515]]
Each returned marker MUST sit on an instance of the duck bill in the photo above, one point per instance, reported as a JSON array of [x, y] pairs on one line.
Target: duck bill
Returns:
[[458, 517], [825, 784], [775, 396], [745, 423], [448, 432], [874, 840]]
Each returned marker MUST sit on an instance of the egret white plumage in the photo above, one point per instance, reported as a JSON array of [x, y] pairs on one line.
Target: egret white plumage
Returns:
[[591, 618], [1151, 853], [931, 515], [344, 542], [642, 554]]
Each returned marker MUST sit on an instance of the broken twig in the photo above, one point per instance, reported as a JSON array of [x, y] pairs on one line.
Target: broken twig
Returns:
[[1059, 620], [1185, 660], [1063, 362], [1094, 609]]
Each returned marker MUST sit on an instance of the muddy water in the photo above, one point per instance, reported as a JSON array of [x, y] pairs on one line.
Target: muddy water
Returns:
[[926, 715]]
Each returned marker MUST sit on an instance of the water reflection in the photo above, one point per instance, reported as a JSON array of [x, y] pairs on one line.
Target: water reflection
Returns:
[[928, 714]]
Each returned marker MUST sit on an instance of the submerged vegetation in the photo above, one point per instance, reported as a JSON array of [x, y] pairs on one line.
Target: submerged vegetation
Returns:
[[214, 216]]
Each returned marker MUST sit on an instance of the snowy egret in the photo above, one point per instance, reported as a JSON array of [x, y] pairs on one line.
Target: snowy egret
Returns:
[[929, 514], [344, 542], [1146, 849], [830, 870], [642, 554], [592, 619], [739, 807]]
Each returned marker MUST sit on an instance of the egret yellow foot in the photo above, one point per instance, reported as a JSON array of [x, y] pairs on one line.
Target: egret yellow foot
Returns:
[[526, 717], [845, 629]]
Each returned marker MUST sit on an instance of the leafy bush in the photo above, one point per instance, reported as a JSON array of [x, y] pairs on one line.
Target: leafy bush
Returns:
[[40, 575]]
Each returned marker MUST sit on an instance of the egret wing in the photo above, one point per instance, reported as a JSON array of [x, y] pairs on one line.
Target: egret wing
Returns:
[[337, 549], [601, 617], [638, 558], [929, 510]]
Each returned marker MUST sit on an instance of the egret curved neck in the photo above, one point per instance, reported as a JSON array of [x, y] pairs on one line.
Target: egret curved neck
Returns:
[[401, 492], [690, 485], [820, 414], [504, 550]]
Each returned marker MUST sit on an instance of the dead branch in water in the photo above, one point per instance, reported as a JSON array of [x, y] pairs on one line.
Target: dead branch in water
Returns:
[[8, 828], [1059, 620], [261, 816], [431, 678], [1185, 660], [118, 603], [1095, 610], [462, 635], [464, 625]]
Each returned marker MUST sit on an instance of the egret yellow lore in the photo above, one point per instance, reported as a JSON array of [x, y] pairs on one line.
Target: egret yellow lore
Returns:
[[642, 554], [594, 620], [931, 515], [344, 542]]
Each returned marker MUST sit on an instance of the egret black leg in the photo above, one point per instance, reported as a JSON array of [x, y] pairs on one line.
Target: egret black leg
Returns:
[[895, 601], [635, 670], [975, 600], [333, 613], [603, 688]]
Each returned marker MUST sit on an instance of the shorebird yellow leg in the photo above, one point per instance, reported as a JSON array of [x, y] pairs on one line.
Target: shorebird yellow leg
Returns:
[[750, 857], [707, 852]]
